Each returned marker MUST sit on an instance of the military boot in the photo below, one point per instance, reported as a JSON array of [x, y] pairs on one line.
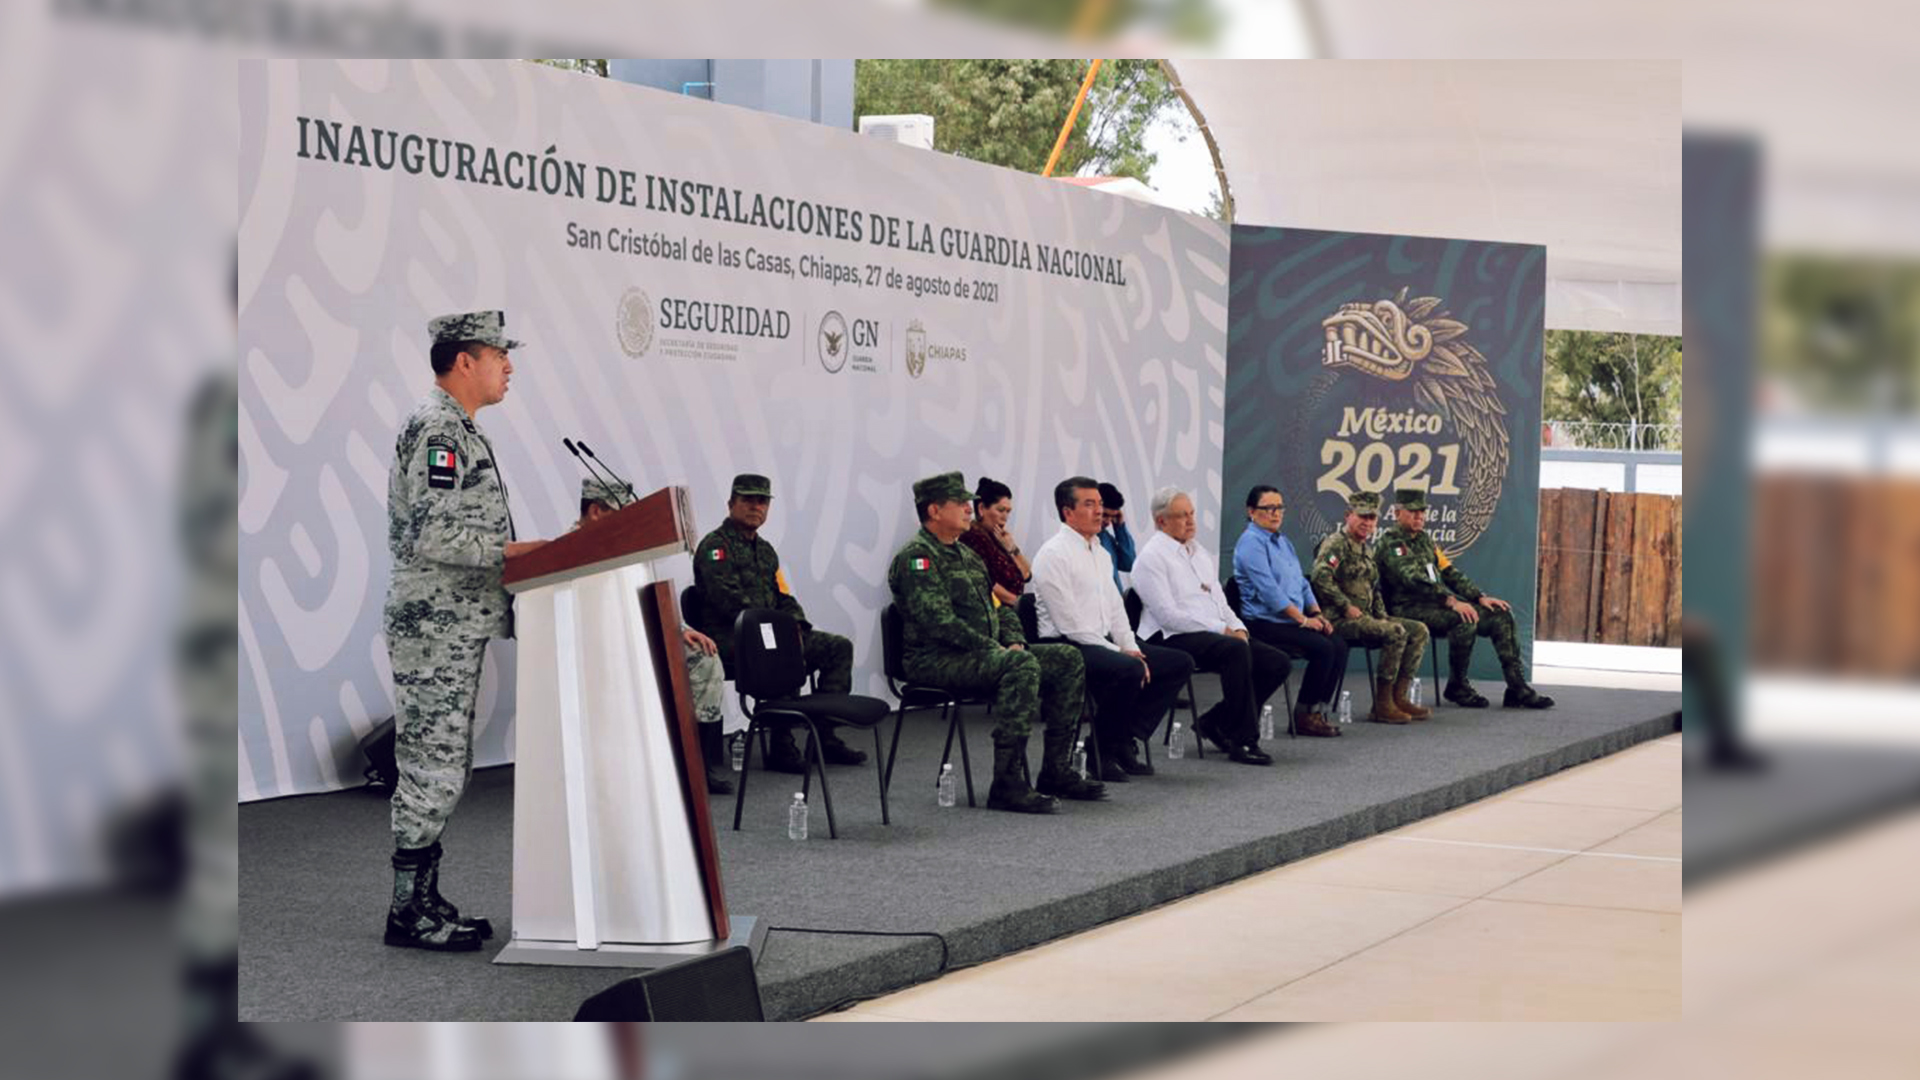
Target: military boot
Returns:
[[1461, 692], [713, 751], [412, 921], [1385, 711], [1010, 790], [1525, 697], [444, 907], [1057, 777], [1403, 701]]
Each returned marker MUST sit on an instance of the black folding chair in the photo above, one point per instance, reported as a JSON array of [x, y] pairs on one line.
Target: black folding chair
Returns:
[[918, 696], [769, 673], [1231, 587], [1186, 700]]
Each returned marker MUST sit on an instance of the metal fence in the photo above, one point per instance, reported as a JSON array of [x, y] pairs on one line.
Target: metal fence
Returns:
[[1593, 435]]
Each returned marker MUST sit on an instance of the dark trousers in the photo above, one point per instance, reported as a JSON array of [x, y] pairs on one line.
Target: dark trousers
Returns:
[[1123, 708], [1325, 654], [1250, 671]]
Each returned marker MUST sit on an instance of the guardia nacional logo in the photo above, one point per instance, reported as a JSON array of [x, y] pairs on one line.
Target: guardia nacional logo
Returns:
[[1416, 408], [633, 322], [916, 349], [833, 342]]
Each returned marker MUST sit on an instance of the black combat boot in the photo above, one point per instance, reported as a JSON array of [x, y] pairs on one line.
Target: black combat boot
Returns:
[[413, 922], [1461, 692], [1010, 790], [1525, 697], [713, 751], [444, 907], [1057, 777]]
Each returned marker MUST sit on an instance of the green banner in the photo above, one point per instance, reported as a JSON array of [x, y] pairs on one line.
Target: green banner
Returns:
[[1367, 362]]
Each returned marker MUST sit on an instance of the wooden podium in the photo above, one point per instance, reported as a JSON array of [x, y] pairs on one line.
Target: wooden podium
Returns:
[[614, 858]]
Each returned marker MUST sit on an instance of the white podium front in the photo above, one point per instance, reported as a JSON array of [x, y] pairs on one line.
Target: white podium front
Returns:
[[614, 858]]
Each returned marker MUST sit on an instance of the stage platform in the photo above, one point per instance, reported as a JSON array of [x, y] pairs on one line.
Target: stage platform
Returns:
[[314, 872]]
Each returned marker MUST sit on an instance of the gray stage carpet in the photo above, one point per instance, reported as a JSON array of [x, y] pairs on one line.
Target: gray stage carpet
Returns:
[[315, 877]]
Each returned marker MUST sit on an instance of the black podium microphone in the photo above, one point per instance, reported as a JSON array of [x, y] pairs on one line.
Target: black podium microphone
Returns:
[[587, 464], [588, 450]]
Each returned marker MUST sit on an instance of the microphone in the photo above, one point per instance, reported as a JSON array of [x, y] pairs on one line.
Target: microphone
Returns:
[[584, 463], [588, 450]]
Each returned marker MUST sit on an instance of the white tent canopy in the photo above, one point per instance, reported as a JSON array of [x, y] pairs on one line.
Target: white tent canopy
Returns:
[[1581, 156]]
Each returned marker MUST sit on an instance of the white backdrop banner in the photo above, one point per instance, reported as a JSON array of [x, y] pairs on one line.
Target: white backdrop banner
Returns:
[[702, 291]]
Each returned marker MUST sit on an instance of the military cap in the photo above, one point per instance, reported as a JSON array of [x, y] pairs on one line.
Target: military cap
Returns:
[[607, 495], [1411, 498], [947, 487], [753, 484], [1364, 503], [485, 327]]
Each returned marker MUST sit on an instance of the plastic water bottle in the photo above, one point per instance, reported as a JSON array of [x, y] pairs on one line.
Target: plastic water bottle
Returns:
[[739, 752], [1080, 758], [797, 818], [1266, 723], [1346, 706], [1413, 692], [945, 792], [1176, 746]]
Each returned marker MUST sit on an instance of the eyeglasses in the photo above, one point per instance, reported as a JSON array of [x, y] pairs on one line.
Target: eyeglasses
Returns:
[[1273, 508]]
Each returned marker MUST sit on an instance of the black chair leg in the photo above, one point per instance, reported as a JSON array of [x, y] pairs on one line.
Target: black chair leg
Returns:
[[1286, 688], [746, 766], [899, 720], [1434, 649], [959, 723], [814, 750], [1373, 683], [882, 776], [946, 752]]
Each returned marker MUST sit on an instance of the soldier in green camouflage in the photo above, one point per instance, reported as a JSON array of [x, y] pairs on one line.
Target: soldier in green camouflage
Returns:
[[449, 532], [1347, 583], [734, 569], [958, 637], [706, 680], [1421, 583]]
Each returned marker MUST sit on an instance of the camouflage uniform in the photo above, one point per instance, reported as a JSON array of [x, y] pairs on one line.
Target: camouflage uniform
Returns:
[[956, 636], [1344, 575], [447, 529], [1417, 579], [706, 679], [735, 571]]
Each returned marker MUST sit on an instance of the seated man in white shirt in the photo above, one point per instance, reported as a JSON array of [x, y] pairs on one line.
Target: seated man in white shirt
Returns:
[[1184, 607], [1132, 685]]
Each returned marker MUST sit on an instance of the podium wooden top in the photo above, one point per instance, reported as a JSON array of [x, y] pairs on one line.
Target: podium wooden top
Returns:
[[658, 525]]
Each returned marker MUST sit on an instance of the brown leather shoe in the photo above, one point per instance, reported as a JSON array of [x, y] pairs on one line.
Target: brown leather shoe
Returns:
[[1405, 703], [1384, 709], [1316, 725]]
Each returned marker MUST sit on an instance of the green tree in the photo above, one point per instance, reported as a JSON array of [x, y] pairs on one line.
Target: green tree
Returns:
[[1625, 379], [1009, 112], [1843, 335]]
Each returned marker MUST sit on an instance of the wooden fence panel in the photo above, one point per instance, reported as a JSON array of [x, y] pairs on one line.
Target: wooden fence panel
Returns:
[[1609, 568]]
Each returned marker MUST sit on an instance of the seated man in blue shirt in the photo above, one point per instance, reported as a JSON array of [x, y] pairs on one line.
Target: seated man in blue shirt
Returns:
[[1114, 535], [1279, 609]]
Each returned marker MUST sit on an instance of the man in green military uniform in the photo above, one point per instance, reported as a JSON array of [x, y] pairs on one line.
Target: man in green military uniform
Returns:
[[1347, 583], [450, 534], [1421, 583], [706, 682], [958, 637], [735, 570]]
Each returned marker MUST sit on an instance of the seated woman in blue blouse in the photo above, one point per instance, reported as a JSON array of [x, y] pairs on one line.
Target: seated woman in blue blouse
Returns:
[[1279, 608]]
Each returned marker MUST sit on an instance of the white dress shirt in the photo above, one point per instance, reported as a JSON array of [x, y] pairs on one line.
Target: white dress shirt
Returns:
[[1074, 595], [1179, 589]]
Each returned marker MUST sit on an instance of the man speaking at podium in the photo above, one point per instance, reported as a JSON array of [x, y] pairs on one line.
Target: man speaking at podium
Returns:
[[450, 533]]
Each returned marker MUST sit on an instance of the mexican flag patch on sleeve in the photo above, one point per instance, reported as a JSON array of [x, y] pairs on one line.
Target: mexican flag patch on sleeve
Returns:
[[717, 555], [919, 564], [1333, 560], [442, 470]]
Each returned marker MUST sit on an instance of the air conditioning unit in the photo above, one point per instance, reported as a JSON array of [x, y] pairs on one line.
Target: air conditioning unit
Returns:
[[907, 130]]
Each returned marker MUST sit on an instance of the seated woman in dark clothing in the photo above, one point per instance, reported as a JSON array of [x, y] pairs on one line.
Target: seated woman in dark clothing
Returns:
[[993, 542]]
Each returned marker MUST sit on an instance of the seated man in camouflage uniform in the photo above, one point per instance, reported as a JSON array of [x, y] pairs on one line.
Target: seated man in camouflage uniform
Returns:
[[1347, 583], [450, 535], [705, 678], [735, 570], [1420, 582], [958, 637]]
